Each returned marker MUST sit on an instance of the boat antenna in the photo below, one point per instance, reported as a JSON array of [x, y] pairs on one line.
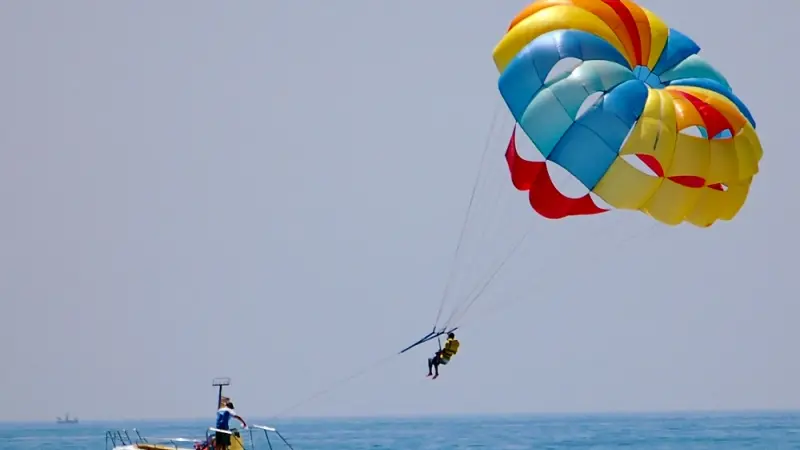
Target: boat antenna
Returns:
[[219, 382]]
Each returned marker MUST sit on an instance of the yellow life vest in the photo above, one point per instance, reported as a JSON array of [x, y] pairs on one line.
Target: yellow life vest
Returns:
[[450, 349]]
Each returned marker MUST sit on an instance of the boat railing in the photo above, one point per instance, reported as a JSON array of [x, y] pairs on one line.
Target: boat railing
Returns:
[[253, 429], [121, 437]]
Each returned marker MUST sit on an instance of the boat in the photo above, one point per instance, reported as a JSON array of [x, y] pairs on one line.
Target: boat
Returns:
[[122, 440], [240, 439], [66, 419]]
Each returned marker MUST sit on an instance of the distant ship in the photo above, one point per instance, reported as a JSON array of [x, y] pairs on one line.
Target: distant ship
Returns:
[[66, 419]]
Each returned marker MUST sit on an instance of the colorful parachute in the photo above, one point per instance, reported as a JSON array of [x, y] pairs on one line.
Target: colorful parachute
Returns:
[[652, 89]]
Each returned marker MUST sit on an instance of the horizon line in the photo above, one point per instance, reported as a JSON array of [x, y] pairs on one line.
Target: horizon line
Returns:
[[258, 419]]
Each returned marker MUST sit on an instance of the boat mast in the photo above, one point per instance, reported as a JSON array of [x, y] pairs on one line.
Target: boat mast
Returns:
[[219, 382]]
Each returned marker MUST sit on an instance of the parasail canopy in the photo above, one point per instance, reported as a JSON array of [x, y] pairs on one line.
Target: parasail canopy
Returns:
[[604, 89]]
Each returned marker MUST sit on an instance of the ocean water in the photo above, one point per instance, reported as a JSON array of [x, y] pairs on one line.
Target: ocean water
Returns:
[[762, 431]]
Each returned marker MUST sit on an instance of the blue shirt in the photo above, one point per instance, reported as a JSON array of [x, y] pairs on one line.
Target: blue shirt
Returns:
[[223, 417]]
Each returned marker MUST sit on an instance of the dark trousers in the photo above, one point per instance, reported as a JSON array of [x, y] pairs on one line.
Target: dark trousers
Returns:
[[433, 363]]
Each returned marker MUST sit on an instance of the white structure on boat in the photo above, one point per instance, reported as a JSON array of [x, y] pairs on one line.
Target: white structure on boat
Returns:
[[122, 440]]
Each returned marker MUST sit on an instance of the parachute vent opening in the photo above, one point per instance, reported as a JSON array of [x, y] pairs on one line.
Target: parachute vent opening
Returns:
[[701, 132], [719, 187], [646, 164], [590, 102], [526, 148], [630, 133], [600, 202], [565, 182], [724, 134], [563, 68], [695, 131]]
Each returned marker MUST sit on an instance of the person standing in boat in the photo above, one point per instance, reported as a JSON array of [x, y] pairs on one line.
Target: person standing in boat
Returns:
[[224, 414]]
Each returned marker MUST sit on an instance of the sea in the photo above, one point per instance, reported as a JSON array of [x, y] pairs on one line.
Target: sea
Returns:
[[728, 431]]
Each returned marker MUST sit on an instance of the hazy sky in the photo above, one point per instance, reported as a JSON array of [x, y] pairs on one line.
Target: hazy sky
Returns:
[[272, 191]]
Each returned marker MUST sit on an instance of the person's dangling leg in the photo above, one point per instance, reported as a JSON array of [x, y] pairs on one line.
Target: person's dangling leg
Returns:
[[435, 363]]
